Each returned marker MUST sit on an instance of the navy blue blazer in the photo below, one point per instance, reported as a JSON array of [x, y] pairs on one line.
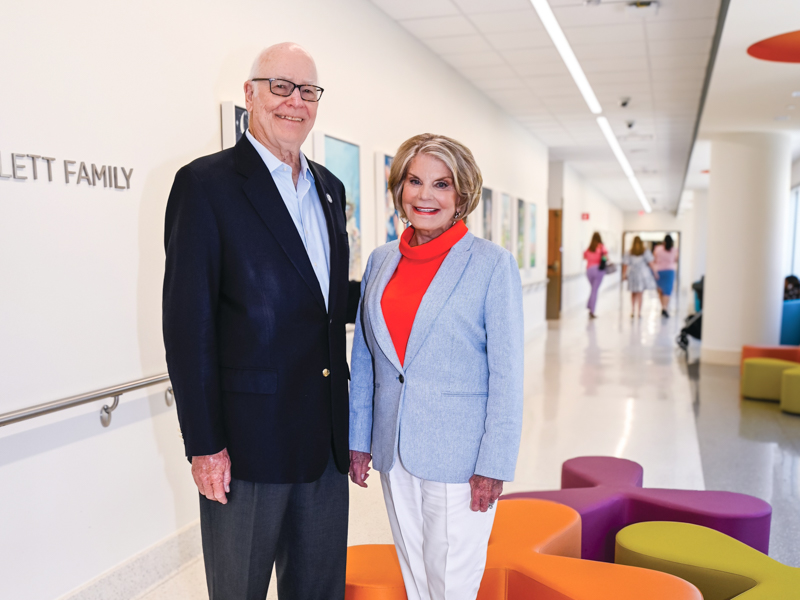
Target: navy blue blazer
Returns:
[[257, 363]]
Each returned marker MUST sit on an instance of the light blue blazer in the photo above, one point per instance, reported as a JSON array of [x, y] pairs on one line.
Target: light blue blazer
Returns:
[[455, 408]]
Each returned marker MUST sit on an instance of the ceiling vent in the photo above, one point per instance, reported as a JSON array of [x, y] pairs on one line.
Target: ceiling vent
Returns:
[[643, 8]]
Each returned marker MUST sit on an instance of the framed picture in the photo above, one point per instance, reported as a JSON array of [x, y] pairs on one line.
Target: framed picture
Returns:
[[486, 200], [522, 215], [343, 159], [235, 121], [532, 235], [505, 223], [390, 227]]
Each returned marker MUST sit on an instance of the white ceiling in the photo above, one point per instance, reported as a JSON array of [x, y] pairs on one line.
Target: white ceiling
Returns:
[[658, 60]]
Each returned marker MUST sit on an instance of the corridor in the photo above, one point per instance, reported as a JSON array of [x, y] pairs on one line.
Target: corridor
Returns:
[[621, 387]]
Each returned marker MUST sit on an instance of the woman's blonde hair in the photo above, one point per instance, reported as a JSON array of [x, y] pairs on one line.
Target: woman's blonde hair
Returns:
[[467, 178], [637, 249]]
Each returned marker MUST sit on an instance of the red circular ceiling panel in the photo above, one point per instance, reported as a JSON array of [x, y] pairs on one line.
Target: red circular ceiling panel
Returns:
[[781, 48]]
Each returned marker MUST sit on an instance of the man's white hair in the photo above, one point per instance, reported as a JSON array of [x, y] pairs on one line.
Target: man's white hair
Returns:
[[266, 54]]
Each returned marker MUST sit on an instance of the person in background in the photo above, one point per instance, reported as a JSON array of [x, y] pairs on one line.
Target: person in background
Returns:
[[596, 256], [665, 261], [437, 370], [791, 288], [636, 269]]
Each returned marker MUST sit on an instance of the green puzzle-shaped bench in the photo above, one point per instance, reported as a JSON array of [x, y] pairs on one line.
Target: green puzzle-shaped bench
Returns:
[[721, 567]]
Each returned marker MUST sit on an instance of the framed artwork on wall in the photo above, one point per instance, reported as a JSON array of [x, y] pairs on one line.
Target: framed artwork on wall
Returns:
[[235, 122], [390, 227], [532, 235], [486, 200], [521, 229], [505, 223], [343, 159]]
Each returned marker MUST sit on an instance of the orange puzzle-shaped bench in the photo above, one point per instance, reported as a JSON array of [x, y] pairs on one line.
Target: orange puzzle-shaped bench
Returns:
[[534, 553]]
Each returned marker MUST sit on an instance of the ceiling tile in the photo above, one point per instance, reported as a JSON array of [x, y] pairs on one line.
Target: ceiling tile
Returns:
[[688, 61], [617, 78], [679, 47], [458, 44], [504, 83], [585, 15], [485, 6], [476, 74], [606, 34], [416, 9], [508, 21], [679, 74], [622, 50], [539, 69], [688, 9], [532, 56], [514, 40], [439, 27], [681, 30], [474, 59], [617, 65]]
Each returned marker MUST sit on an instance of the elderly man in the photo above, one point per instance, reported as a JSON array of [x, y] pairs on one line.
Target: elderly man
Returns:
[[255, 301]]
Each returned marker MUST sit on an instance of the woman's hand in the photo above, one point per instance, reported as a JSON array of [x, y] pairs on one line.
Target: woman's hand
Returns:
[[485, 492], [359, 467]]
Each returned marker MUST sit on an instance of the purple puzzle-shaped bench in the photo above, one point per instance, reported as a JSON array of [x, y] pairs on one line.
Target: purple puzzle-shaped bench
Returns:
[[608, 494]]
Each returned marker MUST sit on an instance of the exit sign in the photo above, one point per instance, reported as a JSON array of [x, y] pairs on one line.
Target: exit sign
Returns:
[[584, 216]]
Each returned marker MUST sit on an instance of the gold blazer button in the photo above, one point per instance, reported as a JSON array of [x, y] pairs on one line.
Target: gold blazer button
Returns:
[[325, 372]]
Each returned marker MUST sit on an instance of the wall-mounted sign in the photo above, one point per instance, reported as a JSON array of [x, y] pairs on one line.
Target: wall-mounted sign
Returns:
[[30, 166], [584, 216]]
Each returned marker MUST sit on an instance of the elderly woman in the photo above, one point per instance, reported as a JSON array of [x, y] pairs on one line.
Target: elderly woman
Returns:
[[436, 391]]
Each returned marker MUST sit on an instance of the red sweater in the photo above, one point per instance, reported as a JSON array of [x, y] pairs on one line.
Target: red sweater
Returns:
[[415, 271]]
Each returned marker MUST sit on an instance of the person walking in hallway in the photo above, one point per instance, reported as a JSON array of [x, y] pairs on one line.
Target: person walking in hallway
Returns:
[[596, 257], [636, 269], [254, 311], [665, 262], [437, 366]]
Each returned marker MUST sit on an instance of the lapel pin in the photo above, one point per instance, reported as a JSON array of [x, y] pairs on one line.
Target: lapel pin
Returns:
[[328, 196]]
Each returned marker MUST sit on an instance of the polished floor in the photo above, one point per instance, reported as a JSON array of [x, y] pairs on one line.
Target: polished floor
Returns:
[[620, 387]]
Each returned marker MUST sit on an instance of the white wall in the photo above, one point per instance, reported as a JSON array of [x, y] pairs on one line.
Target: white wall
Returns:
[[139, 85], [796, 173], [659, 220], [580, 197]]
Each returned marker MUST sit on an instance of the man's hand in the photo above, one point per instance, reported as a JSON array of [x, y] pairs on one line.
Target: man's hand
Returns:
[[485, 492], [212, 474], [359, 467]]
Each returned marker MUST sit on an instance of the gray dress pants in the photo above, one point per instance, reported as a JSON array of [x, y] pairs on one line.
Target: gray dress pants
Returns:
[[300, 527]]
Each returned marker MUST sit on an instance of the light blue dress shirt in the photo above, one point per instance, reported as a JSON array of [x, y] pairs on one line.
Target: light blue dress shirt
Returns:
[[304, 206]]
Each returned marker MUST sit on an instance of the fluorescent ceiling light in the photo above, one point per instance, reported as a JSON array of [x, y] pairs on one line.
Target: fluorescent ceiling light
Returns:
[[567, 55], [612, 140]]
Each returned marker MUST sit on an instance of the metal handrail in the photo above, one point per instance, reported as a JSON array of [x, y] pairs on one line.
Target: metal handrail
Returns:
[[115, 392]]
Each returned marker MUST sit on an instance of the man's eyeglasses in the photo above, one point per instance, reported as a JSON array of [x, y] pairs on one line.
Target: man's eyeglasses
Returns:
[[282, 87]]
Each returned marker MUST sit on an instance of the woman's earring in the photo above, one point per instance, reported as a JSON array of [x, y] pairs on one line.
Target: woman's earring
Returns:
[[455, 217]]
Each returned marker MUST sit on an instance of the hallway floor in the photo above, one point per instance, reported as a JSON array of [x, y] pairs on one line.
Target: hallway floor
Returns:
[[618, 386]]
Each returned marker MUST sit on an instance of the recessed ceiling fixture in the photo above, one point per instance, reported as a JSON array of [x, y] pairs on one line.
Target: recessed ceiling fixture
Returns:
[[567, 55], [782, 118], [605, 127], [796, 94], [556, 34]]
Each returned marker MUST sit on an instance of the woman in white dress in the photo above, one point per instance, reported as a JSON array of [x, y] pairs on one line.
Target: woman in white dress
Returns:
[[636, 269]]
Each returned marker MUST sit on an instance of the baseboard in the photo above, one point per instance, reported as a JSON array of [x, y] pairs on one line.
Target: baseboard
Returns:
[[717, 356], [133, 577]]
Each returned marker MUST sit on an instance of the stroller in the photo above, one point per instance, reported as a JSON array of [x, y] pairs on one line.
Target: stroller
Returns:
[[694, 323]]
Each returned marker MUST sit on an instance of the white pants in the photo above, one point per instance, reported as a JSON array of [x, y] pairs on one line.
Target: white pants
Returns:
[[440, 542]]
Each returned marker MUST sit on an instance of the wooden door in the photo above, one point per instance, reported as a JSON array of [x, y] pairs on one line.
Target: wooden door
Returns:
[[554, 265]]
